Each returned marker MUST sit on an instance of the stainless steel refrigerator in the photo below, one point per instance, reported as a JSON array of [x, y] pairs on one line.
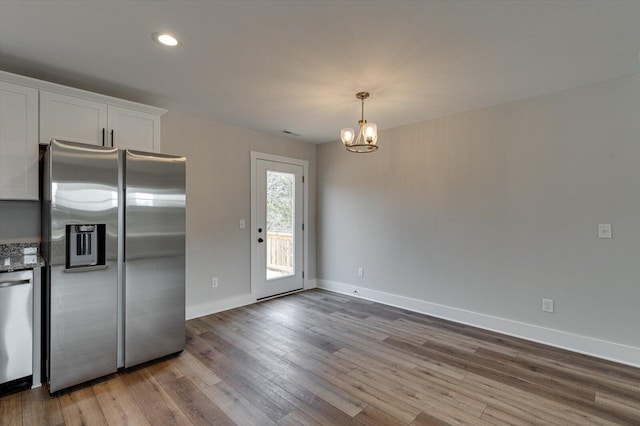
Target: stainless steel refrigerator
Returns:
[[114, 241]]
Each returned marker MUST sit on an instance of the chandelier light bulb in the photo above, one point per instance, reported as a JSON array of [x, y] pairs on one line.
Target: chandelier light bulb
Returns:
[[370, 133], [347, 135]]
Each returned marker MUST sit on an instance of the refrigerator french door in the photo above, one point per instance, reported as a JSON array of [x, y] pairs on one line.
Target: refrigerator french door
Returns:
[[80, 245], [154, 256]]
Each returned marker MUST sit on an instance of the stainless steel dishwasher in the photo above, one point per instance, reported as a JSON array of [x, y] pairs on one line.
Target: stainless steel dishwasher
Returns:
[[16, 327]]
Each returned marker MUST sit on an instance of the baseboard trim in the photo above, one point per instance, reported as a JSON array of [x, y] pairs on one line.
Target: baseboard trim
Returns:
[[200, 310], [611, 351]]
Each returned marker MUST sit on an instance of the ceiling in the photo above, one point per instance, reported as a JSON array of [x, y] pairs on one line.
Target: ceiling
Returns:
[[296, 65]]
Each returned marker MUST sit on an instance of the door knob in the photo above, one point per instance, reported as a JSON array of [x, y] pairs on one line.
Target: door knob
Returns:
[[260, 240]]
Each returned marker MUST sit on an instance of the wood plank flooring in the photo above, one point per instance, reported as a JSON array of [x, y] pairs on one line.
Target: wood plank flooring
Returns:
[[318, 358]]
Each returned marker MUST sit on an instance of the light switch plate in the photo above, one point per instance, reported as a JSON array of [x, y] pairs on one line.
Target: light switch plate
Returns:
[[242, 224], [604, 230], [29, 250]]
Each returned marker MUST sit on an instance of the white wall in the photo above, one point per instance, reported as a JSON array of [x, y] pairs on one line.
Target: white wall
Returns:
[[19, 221], [482, 214], [218, 196]]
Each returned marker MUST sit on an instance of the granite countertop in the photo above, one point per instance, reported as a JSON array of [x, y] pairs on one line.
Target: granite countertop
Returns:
[[12, 257]]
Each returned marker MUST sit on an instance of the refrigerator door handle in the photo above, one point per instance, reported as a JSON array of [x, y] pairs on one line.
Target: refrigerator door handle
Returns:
[[5, 284], [124, 222]]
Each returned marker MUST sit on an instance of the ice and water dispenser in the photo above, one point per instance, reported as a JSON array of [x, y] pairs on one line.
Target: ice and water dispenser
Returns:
[[85, 246]]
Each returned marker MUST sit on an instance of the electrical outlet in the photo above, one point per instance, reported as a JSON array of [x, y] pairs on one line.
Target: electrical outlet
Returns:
[[30, 250], [361, 272], [214, 282], [604, 230], [547, 305]]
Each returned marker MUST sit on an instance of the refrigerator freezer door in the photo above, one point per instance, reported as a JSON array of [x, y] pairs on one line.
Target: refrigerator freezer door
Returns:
[[81, 187], [154, 256]]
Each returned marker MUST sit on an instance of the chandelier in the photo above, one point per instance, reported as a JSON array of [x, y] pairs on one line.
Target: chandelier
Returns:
[[367, 135]]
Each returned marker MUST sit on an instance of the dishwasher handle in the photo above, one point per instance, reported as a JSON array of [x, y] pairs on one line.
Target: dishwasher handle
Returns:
[[5, 284]]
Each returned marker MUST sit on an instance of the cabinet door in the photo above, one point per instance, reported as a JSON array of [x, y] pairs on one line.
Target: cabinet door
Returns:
[[18, 142], [72, 119], [134, 129]]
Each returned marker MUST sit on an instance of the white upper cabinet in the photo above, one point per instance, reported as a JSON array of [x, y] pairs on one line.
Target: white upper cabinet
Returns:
[[18, 142], [72, 119], [88, 121], [133, 129]]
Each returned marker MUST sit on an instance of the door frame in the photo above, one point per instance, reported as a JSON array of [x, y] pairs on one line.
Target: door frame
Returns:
[[255, 156]]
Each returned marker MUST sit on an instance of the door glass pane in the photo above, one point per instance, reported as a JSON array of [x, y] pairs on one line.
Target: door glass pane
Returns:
[[280, 224]]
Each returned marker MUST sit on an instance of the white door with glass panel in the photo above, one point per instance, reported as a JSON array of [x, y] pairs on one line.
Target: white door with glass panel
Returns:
[[277, 259]]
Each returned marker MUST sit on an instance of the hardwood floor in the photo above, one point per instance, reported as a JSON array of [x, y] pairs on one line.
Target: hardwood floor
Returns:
[[318, 358]]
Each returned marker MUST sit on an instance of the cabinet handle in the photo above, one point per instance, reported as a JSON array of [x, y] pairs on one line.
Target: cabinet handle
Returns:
[[113, 138], [103, 129]]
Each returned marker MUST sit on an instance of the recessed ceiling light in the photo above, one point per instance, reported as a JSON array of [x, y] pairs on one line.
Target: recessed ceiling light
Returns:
[[166, 39]]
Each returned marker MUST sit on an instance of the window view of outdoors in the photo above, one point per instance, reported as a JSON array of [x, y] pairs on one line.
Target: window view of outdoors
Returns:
[[280, 221]]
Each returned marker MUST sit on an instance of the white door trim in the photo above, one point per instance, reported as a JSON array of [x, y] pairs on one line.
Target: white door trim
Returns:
[[255, 156]]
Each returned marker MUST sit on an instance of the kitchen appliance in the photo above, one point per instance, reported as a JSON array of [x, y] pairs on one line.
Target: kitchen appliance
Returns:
[[114, 241], [16, 334], [154, 256]]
